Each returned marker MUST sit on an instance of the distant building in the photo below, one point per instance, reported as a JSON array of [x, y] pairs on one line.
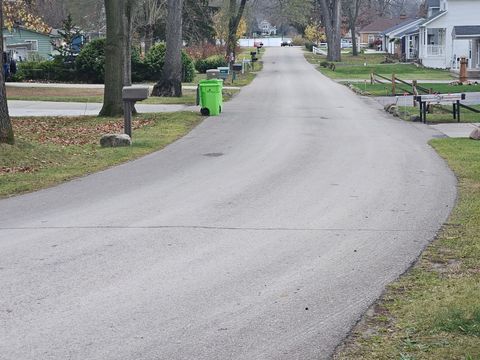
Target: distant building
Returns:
[[27, 44], [402, 39], [372, 34], [267, 29]]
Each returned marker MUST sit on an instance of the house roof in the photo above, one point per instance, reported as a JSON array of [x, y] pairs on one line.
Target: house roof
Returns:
[[410, 31], [380, 25], [433, 18], [402, 26], [468, 31], [23, 28]]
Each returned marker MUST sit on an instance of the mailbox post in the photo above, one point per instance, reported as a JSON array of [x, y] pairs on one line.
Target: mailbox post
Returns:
[[130, 95]]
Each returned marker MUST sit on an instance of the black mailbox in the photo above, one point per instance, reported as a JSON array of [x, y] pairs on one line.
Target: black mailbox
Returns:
[[237, 67], [253, 53]]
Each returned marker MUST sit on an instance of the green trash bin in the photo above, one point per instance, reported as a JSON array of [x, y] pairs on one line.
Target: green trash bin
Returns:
[[210, 97]]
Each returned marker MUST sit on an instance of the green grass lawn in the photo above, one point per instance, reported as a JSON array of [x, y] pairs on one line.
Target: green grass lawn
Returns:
[[433, 312], [51, 150], [440, 114], [386, 89], [362, 66], [96, 96]]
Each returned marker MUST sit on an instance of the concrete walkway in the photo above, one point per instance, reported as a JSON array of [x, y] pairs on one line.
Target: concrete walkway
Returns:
[[91, 86], [456, 130], [45, 108]]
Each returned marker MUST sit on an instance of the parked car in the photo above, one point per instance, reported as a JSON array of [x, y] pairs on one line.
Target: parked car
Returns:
[[346, 44], [286, 43]]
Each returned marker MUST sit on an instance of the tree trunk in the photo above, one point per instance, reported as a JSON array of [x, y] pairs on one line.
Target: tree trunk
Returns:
[[148, 37], [352, 9], [117, 54], [128, 26], [354, 40], [233, 23], [6, 130], [331, 13], [170, 83]]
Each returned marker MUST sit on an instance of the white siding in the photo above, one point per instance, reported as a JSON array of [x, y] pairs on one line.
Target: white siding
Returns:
[[460, 12]]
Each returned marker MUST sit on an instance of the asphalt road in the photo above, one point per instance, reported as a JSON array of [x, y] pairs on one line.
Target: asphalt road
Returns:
[[263, 234]]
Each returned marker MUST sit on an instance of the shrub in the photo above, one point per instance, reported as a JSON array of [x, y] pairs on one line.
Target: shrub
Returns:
[[211, 62], [298, 41], [205, 50], [309, 45], [139, 68], [54, 70], [90, 63], [188, 68], [325, 64], [155, 60]]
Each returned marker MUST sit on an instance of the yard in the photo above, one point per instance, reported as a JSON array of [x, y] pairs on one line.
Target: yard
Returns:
[[440, 114], [362, 66], [55, 149], [95, 95], [386, 88], [242, 79]]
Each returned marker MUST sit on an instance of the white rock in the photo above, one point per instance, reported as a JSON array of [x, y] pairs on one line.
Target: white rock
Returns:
[[475, 135], [115, 140]]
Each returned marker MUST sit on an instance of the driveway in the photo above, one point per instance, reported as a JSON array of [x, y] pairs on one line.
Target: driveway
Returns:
[[263, 234]]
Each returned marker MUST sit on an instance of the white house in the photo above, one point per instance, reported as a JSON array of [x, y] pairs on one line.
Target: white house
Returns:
[[451, 31], [267, 28], [398, 39]]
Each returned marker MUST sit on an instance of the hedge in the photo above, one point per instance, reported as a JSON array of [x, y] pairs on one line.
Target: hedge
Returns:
[[211, 62]]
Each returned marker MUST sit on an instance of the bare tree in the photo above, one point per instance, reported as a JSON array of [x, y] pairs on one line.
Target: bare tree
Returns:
[[149, 14], [6, 130], [331, 14], [52, 11], [351, 9], [235, 13], [170, 83]]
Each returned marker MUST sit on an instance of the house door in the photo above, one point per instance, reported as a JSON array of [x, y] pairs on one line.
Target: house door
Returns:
[[478, 53]]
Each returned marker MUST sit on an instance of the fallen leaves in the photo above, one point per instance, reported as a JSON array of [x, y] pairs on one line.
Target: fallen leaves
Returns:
[[16, 169], [71, 131]]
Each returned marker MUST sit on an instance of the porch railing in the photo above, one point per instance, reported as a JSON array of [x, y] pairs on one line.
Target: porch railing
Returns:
[[435, 50]]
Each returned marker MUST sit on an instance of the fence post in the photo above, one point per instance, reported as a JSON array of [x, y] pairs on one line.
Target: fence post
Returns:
[[394, 92], [414, 91]]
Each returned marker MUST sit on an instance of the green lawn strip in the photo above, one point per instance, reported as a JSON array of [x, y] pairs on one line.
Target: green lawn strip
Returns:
[[403, 71], [386, 89], [433, 312], [439, 113], [348, 59], [189, 98], [354, 68], [52, 150]]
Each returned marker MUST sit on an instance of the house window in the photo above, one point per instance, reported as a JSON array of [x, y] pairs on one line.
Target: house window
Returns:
[[371, 39], [33, 44]]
